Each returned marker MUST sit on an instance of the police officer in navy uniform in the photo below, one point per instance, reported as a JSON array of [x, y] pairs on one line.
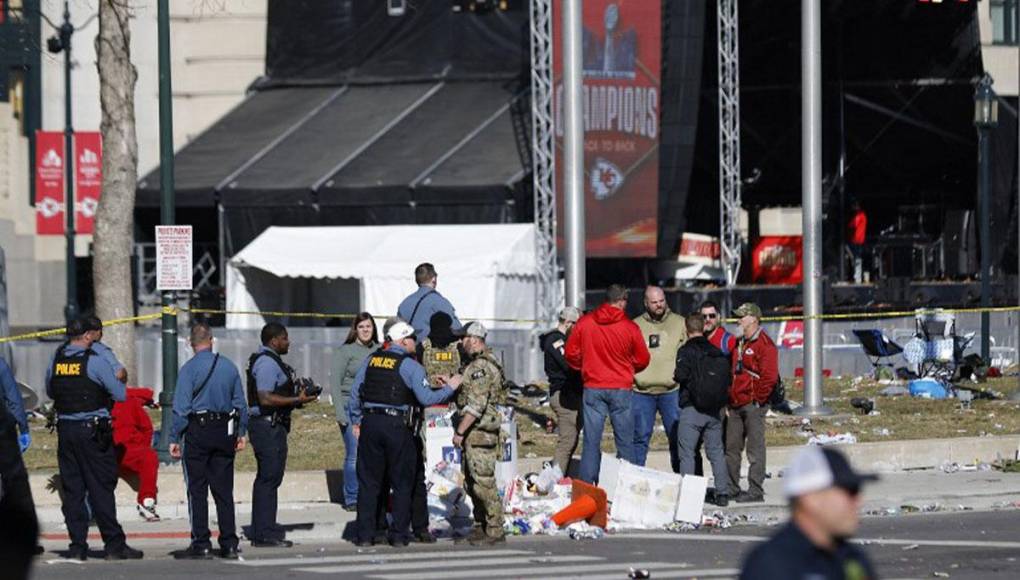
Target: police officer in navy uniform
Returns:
[[272, 395], [83, 388], [210, 422], [388, 387]]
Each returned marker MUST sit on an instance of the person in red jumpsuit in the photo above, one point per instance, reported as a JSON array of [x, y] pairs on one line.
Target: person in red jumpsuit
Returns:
[[132, 437]]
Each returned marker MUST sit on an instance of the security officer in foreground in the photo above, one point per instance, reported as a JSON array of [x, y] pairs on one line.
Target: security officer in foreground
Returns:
[[20, 530], [439, 353], [83, 388], [95, 325], [824, 493], [210, 422], [272, 395], [387, 390], [478, 434]]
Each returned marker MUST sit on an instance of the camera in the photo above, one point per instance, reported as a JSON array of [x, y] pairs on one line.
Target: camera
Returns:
[[308, 386]]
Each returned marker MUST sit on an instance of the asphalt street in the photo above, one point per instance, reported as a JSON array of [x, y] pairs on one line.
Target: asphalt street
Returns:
[[962, 545]]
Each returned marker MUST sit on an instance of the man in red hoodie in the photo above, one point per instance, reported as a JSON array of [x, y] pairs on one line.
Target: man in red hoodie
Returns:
[[132, 438], [755, 374], [608, 349]]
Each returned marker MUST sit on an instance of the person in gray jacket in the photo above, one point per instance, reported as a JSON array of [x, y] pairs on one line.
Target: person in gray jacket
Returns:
[[361, 341]]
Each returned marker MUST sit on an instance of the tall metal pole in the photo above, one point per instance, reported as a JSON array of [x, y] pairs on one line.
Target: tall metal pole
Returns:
[[573, 158], [167, 217], [984, 193], [71, 308], [811, 184]]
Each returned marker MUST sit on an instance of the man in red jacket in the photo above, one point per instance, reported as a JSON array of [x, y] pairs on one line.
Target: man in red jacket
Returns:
[[608, 349], [132, 438], [755, 374]]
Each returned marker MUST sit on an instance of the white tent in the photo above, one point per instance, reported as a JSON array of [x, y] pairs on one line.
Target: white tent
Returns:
[[488, 272]]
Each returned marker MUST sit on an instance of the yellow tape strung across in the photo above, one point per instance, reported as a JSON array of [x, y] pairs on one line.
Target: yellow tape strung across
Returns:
[[174, 311]]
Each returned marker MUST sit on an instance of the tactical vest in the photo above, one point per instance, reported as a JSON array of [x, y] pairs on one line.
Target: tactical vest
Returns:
[[287, 389], [383, 384], [440, 361], [73, 391]]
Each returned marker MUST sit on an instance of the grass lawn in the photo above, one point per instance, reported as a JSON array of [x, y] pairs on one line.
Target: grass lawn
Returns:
[[315, 438]]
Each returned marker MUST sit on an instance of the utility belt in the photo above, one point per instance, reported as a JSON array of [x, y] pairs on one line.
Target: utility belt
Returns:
[[276, 418], [101, 428], [203, 418], [412, 418]]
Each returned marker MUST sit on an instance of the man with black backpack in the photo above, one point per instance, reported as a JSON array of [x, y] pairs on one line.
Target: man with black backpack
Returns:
[[704, 375]]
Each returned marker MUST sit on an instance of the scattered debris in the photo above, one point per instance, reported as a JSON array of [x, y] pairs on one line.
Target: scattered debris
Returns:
[[639, 573], [911, 547], [585, 531], [940, 574], [832, 438]]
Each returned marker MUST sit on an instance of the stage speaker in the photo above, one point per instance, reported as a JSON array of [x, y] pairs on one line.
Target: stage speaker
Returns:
[[959, 239]]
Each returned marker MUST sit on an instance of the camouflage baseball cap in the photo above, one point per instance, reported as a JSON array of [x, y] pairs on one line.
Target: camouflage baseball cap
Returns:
[[473, 328], [747, 309]]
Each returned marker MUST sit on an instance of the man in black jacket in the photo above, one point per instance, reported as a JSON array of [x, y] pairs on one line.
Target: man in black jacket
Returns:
[[703, 373], [564, 386]]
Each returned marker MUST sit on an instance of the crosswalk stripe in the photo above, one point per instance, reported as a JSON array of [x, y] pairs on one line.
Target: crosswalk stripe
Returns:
[[531, 572], [878, 541], [687, 573], [381, 556], [475, 564]]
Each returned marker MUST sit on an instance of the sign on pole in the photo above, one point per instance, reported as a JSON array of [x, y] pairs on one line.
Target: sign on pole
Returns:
[[173, 258], [49, 183], [88, 179]]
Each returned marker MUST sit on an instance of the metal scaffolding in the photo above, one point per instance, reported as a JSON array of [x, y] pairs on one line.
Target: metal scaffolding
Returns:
[[544, 158], [729, 140]]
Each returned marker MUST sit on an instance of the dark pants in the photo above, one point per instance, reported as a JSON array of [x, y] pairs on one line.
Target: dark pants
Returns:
[[270, 445], [88, 465], [20, 530], [694, 427], [386, 455], [209, 465], [745, 427], [419, 495]]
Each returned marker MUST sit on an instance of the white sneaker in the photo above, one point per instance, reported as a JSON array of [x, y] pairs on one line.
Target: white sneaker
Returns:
[[147, 509]]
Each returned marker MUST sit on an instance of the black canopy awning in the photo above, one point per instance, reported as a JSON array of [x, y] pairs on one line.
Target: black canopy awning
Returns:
[[437, 142]]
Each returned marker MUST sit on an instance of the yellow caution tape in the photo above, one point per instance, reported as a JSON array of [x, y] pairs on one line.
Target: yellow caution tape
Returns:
[[175, 310]]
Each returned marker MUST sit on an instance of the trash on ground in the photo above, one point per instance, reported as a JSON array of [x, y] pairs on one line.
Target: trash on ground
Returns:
[[894, 391], [639, 573], [832, 438]]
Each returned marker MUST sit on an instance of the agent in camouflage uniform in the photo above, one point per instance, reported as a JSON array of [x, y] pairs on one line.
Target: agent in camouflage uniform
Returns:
[[478, 435]]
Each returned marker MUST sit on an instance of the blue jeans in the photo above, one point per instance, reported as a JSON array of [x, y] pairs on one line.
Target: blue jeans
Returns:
[[599, 404], [668, 405], [350, 465]]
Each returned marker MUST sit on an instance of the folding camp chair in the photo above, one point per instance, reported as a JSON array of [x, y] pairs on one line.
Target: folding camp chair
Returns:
[[877, 346]]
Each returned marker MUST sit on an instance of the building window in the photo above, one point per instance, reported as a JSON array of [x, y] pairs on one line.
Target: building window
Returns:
[[1005, 23]]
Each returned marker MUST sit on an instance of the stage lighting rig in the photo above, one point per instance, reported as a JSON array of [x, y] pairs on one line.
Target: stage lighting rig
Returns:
[[481, 6]]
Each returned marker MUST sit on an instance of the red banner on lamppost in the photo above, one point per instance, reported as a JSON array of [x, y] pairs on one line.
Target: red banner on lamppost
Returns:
[[88, 179], [622, 55], [49, 183]]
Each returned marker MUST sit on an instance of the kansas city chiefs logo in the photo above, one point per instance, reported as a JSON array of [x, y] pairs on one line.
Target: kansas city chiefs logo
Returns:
[[605, 178]]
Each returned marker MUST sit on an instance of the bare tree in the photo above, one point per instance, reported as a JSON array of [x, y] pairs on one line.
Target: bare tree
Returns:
[[114, 234]]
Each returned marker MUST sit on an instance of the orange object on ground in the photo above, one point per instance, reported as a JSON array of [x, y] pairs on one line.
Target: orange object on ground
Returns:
[[589, 504], [581, 508], [601, 516]]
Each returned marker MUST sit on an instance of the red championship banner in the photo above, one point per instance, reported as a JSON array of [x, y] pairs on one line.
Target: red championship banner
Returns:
[[777, 260], [88, 179], [49, 183], [622, 60]]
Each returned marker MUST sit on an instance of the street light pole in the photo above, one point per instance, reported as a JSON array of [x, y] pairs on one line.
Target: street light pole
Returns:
[[811, 200], [986, 117], [71, 308], [573, 158], [167, 217]]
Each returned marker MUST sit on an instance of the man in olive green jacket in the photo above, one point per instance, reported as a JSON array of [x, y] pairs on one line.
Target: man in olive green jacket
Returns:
[[654, 389]]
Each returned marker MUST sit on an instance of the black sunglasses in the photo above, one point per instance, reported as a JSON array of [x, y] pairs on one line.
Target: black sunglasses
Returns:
[[712, 315]]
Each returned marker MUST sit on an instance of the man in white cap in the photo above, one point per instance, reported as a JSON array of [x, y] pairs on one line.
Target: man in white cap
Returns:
[[565, 388], [824, 494], [387, 388]]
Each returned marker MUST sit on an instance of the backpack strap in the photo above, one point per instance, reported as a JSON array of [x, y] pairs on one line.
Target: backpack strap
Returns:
[[196, 392], [420, 300]]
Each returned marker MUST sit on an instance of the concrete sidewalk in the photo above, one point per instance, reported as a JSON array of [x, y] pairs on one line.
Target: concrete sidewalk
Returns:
[[895, 494], [911, 477]]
